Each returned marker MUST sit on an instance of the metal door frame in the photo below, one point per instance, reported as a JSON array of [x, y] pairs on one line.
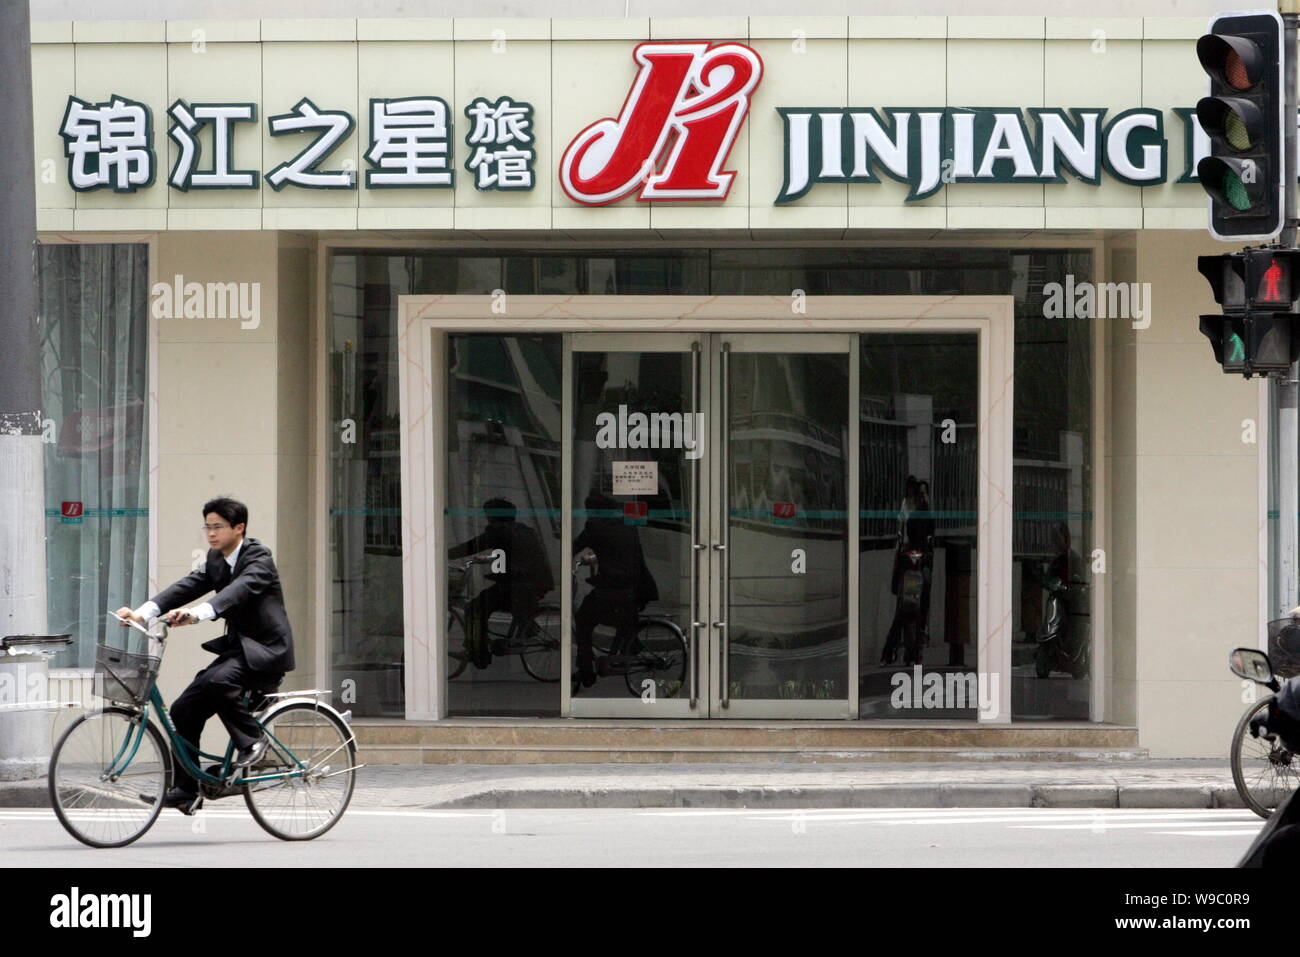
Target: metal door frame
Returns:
[[721, 345], [695, 703], [424, 321]]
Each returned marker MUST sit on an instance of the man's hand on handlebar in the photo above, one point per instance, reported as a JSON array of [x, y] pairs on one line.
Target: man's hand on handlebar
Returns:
[[180, 616], [128, 614]]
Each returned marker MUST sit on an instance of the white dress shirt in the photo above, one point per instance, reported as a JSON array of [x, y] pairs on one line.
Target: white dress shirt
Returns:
[[204, 612]]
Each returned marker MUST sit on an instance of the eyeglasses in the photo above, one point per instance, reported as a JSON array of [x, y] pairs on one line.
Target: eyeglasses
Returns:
[[214, 528]]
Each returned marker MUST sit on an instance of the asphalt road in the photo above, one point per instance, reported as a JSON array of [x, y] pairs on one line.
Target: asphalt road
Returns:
[[924, 837]]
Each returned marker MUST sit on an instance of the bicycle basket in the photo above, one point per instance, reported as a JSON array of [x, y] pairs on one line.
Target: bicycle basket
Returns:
[[126, 667], [1284, 647]]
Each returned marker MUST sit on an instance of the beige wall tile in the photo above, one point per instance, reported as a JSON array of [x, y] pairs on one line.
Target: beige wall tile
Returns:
[[521, 71], [1080, 73], [219, 258], [214, 31], [137, 71], [408, 29], [53, 73], [1188, 719], [316, 31], [1187, 406], [1018, 81], [501, 29], [790, 79], [222, 73], [1198, 511], [896, 73], [699, 28], [215, 396], [395, 71], [326, 73], [1184, 639]]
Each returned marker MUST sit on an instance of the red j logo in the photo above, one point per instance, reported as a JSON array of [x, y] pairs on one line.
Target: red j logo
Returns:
[[676, 128]]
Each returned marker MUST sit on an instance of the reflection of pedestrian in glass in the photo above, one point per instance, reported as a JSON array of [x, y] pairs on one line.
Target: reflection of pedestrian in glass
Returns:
[[910, 580], [620, 587], [518, 570], [1065, 561]]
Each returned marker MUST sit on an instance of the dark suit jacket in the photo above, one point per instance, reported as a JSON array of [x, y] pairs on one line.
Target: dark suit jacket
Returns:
[[251, 603]]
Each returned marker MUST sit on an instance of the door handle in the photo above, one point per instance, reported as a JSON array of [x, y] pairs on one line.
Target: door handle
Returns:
[[696, 546], [724, 488]]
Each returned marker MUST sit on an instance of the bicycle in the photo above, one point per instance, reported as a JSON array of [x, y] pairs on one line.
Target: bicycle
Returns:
[[657, 652], [1264, 770], [111, 767]]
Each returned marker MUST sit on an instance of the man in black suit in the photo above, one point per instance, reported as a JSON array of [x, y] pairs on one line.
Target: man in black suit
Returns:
[[255, 651]]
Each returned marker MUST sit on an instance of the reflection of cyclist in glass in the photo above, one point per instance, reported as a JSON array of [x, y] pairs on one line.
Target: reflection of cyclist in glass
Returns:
[[621, 586], [519, 572]]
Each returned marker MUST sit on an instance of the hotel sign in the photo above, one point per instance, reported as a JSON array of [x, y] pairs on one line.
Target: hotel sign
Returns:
[[670, 141]]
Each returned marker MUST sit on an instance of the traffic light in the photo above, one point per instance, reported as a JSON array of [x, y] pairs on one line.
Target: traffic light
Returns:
[[1244, 173], [1257, 332]]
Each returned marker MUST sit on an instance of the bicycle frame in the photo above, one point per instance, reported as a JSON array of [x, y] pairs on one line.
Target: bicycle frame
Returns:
[[182, 749]]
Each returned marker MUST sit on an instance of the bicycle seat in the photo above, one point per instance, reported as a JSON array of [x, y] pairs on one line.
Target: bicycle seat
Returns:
[[257, 695]]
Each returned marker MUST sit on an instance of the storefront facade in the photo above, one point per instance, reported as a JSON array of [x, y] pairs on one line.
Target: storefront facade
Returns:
[[841, 339]]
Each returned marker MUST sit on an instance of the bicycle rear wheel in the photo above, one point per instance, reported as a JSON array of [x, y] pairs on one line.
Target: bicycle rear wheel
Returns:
[[1265, 772], [102, 809], [542, 657], [660, 650], [301, 808]]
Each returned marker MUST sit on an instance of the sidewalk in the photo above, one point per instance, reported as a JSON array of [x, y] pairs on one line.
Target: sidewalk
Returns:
[[1143, 784], [1151, 784]]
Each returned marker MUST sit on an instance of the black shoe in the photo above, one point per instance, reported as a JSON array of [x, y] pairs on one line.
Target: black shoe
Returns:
[[187, 802], [252, 754]]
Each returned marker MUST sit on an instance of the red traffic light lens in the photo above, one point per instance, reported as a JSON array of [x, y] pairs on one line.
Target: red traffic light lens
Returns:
[[1235, 72]]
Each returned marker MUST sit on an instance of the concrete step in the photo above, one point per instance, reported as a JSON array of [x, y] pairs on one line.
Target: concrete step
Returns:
[[511, 741], [679, 754]]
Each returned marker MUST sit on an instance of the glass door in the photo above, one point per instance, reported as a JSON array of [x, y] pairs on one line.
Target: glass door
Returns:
[[782, 513], [634, 468], [711, 493]]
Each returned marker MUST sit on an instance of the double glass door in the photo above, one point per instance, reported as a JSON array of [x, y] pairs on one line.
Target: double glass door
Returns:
[[713, 492]]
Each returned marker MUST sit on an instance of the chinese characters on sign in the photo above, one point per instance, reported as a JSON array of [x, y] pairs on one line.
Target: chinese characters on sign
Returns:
[[108, 144], [111, 145], [500, 142]]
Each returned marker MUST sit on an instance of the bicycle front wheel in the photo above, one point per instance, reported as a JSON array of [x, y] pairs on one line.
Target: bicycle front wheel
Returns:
[[660, 666], [317, 742], [1265, 772], [541, 658], [456, 652], [108, 776]]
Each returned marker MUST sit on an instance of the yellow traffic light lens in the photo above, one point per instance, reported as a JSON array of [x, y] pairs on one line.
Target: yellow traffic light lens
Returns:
[[1234, 71], [1235, 132]]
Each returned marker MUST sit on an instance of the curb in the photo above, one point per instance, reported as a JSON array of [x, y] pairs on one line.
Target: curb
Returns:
[[855, 796], [24, 793], [33, 794]]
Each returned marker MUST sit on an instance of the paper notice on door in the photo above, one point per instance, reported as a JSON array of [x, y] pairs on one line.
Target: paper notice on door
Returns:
[[636, 478]]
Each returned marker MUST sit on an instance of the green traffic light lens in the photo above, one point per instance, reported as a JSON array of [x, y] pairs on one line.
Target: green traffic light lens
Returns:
[[1235, 132], [1234, 191]]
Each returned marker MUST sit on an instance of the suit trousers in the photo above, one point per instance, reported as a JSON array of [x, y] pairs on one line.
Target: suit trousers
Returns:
[[217, 689]]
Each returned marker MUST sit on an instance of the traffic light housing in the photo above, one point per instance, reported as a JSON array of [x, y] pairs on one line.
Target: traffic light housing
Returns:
[[1257, 333], [1243, 117]]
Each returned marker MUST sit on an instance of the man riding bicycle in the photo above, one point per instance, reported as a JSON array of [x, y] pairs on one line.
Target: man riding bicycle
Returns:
[[517, 568], [253, 654]]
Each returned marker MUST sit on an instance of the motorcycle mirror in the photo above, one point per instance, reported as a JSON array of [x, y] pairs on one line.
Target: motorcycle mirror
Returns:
[[1251, 664]]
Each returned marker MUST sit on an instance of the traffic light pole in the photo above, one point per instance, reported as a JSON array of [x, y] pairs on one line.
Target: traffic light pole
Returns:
[[1288, 386]]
